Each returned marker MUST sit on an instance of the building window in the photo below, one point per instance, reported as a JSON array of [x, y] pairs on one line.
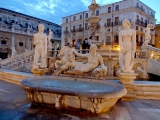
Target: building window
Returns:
[[109, 9], [80, 27], [3, 42], [20, 44], [67, 20], [137, 17], [74, 18], [86, 26], [80, 17], [141, 29], [109, 22], [116, 20], [137, 28], [0, 18], [137, 5], [137, 39], [116, 41], [141, 39], [66, 28], [117, 7], [86, 15], [108, 30], [97, 13]]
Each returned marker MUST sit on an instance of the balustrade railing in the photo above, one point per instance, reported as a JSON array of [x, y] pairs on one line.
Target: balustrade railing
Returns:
[[17, 61], [154, 53]]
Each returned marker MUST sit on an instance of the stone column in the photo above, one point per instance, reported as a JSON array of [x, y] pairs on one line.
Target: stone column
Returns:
[[127, 79], [13, 46]]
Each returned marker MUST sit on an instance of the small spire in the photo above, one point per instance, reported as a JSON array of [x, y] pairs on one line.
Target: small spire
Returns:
[[93, 1]]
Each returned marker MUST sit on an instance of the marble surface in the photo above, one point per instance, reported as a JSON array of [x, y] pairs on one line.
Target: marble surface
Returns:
[[17, 107]]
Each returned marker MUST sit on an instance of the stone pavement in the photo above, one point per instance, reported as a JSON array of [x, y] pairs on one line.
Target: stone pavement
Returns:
[[14, 105]]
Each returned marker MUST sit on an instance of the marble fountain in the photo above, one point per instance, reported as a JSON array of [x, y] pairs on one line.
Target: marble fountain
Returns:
[[91, 93]]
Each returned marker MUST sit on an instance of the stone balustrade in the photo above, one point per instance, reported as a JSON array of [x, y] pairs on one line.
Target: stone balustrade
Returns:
[[154, 53], [17, 61]]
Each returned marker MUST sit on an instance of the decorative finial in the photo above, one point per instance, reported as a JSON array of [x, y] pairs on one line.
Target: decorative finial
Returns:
[[93, 1]]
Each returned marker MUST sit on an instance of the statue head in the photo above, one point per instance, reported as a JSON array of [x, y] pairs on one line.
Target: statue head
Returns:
[[63, 51], [150, 26], [93, 48], [126, 23], [41, 27]]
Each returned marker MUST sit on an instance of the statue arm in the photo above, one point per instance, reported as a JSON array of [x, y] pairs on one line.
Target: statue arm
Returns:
[[78, 54], [45, 44], [121, 43], [101, 61], [134, 41], [35, 42]]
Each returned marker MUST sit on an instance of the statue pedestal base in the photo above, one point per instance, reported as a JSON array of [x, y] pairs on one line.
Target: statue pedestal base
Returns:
[[127, 79], [39, 72]]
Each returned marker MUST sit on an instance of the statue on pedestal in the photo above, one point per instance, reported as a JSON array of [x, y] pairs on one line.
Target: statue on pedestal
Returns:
[[127, 41], [147, 34], [40, 42]]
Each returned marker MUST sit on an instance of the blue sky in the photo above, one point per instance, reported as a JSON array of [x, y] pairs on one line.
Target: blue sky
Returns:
[[54, 10]]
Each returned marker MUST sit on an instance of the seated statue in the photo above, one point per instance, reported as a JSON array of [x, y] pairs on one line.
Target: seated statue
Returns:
[[94, 60]]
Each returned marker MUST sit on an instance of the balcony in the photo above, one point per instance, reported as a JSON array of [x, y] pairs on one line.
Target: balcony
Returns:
[[108, 24], [66, 32], [74, 30], [80, 29], [118, 23]]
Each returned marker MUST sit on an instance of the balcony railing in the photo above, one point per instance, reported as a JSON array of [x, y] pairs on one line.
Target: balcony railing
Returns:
[[145, 11], [66, 32], [80, 29], [23, 31], [107, 24], [117, 23], [141, 23], [74, 30]]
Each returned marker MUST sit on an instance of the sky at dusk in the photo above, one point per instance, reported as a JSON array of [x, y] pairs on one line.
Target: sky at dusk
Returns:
[[54, 10]]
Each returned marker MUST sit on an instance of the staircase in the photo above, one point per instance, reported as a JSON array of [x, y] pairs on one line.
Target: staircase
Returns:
[[18, 61]]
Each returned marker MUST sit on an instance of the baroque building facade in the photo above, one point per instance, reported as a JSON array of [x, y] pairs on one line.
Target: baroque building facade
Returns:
[[17, 30], [157, 36], [75, 27]]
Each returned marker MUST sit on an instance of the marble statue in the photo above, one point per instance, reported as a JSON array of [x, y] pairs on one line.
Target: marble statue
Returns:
[[63, 57], [49, 39], [40, 42], [127, 41], [94, 60], [147, 34]]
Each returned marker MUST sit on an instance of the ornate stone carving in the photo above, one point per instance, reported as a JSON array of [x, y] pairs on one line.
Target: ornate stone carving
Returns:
[[68, 64]]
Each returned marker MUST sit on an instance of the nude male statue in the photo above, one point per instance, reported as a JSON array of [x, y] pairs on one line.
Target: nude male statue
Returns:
[[40, 42], [147, 34]]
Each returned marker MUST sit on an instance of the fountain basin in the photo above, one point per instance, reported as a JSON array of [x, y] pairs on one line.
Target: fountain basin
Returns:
[[95, 96]]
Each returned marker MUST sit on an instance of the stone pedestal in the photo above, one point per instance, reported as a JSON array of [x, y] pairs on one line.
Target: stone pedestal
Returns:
[[39, 72], [145, 51], [127, 79]]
